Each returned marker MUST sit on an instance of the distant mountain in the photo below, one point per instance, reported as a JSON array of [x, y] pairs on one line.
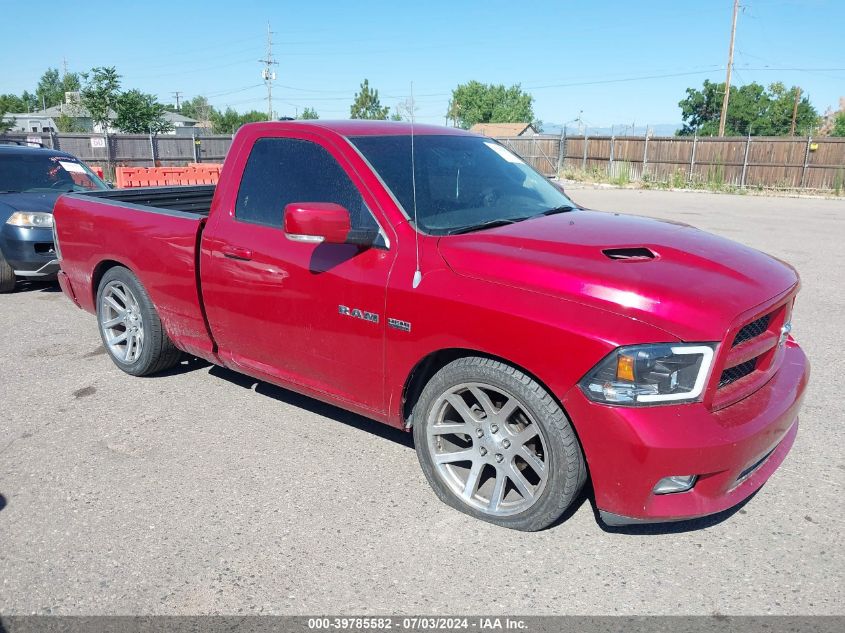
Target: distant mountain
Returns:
[[621, 129]]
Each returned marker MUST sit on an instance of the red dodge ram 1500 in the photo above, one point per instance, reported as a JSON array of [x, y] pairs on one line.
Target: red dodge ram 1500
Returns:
[[428, 278]]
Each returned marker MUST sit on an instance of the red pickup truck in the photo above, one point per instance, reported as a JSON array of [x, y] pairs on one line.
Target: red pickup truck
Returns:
[[429, 279]]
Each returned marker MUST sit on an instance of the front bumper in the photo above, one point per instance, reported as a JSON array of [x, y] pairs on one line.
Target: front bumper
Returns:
[[29, 251], [733, 451]]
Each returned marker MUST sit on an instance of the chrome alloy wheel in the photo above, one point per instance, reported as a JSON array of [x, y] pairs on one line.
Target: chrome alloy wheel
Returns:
[[488, 449], [121, 322]]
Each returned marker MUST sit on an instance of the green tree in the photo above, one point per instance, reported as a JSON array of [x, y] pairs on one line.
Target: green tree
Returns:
[[99, 94], [52, 88], [12, 103], [309, 114], [475, 102], [5, 126], [29, 102], [140, 113], [752, 109], [68, 124], [367, 105], [838, 124], [228, 121], [197, 108]]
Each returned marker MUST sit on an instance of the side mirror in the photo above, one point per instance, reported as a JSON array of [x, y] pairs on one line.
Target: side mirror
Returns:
[[317, 222]]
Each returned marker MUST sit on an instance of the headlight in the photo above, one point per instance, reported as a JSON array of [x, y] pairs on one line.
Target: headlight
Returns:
[[31, 219], [641, 375]]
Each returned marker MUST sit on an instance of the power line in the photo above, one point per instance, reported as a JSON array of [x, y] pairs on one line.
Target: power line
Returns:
[[623, 79], [191, 71], [231, 92]]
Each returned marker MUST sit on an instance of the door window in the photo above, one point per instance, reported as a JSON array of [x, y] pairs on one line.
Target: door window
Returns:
[[280, 171]]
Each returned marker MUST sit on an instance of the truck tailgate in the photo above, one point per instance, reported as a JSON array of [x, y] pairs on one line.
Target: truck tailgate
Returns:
[[158, 245]]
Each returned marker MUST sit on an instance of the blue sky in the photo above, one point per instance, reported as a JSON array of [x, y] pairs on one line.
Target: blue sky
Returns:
[[615, 61]]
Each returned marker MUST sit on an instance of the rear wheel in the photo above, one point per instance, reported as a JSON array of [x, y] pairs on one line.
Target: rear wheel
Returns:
[[494, 444], [130, 326], [7, 276]]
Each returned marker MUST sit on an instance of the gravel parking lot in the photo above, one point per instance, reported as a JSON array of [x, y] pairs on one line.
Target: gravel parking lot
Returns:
[[203, 492]]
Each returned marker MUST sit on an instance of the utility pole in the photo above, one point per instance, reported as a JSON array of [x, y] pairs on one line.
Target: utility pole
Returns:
[[726, 96], [268, 74], [176, 95], [795, 111], [64, 66]]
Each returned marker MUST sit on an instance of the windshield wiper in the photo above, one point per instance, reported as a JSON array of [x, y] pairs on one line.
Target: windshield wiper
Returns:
[[554, 210], [489, 224], [10, 191]]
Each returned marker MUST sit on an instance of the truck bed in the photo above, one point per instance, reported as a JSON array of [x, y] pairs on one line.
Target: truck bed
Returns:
[[155, 233], [194, 199]]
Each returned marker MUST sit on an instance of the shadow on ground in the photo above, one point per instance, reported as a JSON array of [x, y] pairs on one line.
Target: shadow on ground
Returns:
[[315, 406], [27, 285], [406, 440]]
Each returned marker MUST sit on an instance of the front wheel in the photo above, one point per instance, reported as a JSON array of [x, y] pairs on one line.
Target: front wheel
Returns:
[[130, 326], [494, 444]]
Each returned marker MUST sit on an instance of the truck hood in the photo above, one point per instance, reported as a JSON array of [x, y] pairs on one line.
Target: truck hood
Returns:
[[690, 283]]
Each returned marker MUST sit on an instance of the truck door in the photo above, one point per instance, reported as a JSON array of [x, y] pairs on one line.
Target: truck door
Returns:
[[285, 309]]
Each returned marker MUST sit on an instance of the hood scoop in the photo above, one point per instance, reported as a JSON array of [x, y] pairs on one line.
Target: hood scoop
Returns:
[[637, 254]]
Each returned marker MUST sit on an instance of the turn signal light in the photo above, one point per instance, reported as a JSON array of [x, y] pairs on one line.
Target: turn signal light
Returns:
[[625, 368]]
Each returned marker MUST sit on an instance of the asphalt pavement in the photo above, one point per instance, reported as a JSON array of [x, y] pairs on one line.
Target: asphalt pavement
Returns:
[[202, 491]]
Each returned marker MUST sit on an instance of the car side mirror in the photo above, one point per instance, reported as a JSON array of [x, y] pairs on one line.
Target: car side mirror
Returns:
[[317, 222]]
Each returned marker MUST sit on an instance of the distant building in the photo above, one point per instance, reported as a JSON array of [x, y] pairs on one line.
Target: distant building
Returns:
[[497, 130], [185, 126], [45, 120], [30, 122]]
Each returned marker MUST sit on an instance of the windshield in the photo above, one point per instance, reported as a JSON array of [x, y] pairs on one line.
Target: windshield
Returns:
[[29, 173], [463, 183]]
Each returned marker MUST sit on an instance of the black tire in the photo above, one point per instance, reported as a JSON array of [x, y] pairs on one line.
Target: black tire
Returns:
[[7, 276], [565, 467], [157, 352]]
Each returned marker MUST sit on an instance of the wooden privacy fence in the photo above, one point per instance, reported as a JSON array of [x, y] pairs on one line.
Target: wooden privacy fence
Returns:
[[134, 150], [768, 162]]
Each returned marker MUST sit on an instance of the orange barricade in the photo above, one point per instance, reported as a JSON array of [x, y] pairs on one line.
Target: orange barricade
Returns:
[[193, 174]]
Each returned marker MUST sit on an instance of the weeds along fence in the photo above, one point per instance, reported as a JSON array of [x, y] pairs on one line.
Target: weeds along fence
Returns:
[[743, 162], [133, 150]]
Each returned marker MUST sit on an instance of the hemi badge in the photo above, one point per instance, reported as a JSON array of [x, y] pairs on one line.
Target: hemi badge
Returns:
[[398, 324]]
